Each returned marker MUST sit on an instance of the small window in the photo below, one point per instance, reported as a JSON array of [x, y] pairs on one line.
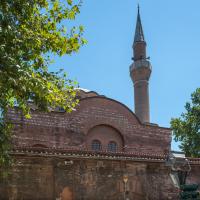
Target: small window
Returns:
[[112, 146], [96, 145]]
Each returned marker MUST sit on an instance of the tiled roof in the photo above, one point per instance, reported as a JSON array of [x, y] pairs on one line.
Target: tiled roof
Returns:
[[194, 161], [85, 154]]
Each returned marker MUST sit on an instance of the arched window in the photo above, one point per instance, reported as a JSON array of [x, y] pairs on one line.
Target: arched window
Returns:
[[96, 145], [112, 146]]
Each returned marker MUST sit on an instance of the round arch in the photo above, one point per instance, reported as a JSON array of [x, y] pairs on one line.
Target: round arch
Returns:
[[105, 134], [116, 104]]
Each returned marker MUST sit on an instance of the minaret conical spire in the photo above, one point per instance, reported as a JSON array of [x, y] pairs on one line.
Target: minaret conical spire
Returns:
[[139, 35]]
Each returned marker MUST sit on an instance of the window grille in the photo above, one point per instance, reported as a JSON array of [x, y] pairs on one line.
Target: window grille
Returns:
[[96, 145], [112, 146]]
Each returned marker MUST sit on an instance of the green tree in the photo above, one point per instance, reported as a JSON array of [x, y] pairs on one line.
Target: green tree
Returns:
[[186, 129], [30, 32]]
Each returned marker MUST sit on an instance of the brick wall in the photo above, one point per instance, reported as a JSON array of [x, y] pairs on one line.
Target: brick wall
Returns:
[[60, 129]]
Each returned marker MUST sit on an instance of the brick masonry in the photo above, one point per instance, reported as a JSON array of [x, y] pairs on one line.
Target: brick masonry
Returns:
[[55, 176], [60, 129]]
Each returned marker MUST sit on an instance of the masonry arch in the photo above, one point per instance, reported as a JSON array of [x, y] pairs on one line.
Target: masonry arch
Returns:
[[107, 136]]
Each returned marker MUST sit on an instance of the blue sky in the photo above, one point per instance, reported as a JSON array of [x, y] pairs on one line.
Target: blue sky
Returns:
[[172, 33]]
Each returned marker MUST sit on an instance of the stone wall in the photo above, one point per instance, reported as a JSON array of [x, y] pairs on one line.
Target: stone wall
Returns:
[[46, 178]]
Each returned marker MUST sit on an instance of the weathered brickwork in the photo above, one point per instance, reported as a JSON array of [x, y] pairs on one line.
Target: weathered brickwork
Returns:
[[46, 176], [54, 174], [59, 129], [37, 178]]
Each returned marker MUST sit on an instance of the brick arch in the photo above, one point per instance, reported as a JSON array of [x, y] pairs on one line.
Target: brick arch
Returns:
[[93, 111], [114, 103], [105, 134]]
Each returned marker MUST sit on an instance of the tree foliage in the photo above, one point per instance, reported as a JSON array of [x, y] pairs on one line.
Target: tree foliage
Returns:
[[31, 31], [186, 129]]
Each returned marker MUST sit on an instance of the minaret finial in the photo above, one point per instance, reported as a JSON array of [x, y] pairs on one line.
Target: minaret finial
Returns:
[[138, 8], [139, 35]]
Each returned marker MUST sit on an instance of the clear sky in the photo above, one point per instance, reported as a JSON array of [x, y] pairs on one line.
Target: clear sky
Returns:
[[172, 33]]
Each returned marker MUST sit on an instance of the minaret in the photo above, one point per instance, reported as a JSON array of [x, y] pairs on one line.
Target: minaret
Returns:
[[140, 72]]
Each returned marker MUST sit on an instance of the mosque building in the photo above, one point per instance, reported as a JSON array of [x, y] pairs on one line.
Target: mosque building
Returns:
[[100, 151]]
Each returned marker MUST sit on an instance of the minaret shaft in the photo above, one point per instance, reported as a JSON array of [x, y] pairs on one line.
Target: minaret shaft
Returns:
[[140, 72], [141, 99]]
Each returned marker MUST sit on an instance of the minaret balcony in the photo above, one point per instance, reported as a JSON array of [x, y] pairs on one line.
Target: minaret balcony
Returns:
[[140, 64]]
